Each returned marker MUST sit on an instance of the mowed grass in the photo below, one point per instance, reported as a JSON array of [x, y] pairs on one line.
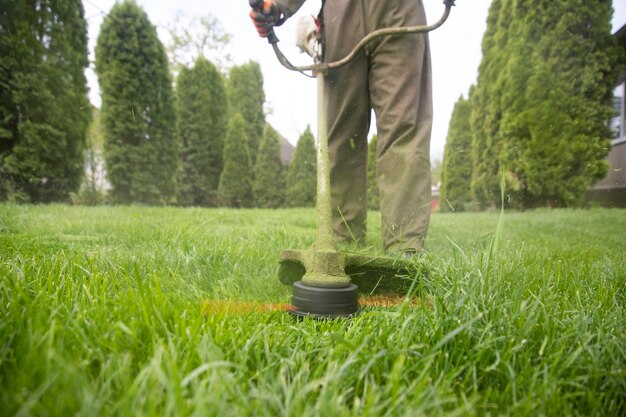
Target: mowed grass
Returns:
[[100, 314]]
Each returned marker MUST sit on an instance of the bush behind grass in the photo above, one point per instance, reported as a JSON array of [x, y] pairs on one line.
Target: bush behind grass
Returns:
[[100, 315]]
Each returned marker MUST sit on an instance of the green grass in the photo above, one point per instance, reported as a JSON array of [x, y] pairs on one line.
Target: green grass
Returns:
[[100, 315]]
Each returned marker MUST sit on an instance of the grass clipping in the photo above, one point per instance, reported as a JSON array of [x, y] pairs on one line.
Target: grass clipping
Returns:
[[231, 307]]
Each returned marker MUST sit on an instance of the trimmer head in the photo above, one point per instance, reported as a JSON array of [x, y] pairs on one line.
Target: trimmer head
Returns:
[[308, 301]]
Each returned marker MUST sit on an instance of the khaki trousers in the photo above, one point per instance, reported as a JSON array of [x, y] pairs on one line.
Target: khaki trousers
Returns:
[[393, 77]]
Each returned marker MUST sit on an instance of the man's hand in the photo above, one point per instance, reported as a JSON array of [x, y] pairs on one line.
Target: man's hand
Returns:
[[265, 15]]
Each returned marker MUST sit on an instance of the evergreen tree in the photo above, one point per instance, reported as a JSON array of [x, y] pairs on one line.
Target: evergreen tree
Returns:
[[489, 106], [557, 137], [44, 111], [302, 173], [138, 116], [269, 172], [542, 101], [436, 168], [457, 162], [235, 186], [201, 124], [92, 190], [373, 194], [246, 96]]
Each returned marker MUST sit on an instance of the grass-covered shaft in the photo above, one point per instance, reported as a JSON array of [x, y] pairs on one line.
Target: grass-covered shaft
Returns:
[[100, 314]]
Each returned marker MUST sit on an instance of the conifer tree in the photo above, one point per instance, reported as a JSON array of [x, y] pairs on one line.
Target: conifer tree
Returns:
[[542, 101], [485, 119], [235, 186], [246, 96], [138, 117], [92, 189], [201, 125], [373, 194], [557, 135], [269, 172], [457, 162], [302, 173], [44, 111]]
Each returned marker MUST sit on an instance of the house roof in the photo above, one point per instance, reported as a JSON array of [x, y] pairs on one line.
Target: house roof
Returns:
[[621, 36]]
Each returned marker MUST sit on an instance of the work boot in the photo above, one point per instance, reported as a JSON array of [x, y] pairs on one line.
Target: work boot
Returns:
[[412, 254]]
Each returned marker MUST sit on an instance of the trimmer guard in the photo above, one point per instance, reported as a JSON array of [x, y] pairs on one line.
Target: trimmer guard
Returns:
[[372, 274]]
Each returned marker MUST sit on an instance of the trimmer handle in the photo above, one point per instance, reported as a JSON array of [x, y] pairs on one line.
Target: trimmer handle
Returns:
[[257, 5]]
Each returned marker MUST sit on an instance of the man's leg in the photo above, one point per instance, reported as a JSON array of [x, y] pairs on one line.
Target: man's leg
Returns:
[[348, 112], [400, 85]]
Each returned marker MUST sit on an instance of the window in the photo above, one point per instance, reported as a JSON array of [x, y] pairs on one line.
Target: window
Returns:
[[617, 120]]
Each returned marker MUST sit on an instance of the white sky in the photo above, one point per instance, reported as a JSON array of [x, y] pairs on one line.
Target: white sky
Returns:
[[455, 50]]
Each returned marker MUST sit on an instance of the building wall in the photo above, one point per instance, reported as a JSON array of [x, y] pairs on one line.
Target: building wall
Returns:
[[611, 191], [616, 176]]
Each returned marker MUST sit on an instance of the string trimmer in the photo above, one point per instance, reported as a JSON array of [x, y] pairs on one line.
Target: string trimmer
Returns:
[[325, 281]]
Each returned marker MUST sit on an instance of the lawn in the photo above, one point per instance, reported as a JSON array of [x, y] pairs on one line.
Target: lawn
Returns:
[[100, 314]]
